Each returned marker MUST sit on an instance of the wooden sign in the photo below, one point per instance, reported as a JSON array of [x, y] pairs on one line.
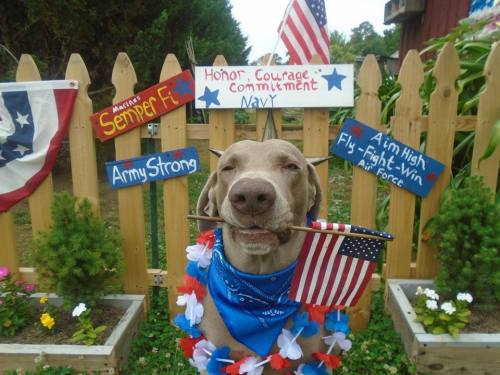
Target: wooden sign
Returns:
[[144, 106], [161, 166], [387, 158], [274, 86]]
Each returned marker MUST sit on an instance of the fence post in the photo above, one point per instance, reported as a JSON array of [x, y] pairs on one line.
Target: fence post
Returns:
[[487, 114], [364, 184], [316, 137], [406, 129], [81, 137], [175, 192], [130, 199], [221, 130], [41, 199], [261, 114], [8, 252], [439, 145]]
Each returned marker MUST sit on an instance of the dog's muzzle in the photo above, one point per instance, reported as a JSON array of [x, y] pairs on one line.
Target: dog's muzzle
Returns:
[[252, 196]]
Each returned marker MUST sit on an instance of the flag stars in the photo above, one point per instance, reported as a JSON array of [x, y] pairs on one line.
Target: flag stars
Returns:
[[21, 149], [22, 119]]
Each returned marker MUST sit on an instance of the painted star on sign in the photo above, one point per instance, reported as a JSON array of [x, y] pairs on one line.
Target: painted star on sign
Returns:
[[182, 88], [21, 149], [334, 79], [22, 119], [210, 97]]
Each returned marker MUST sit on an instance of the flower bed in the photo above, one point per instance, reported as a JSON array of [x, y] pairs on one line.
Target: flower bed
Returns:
[[471, 353], [108, 357]]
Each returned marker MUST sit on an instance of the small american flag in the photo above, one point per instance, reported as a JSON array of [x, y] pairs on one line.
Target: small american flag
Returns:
[[334, 269], [304, 31]]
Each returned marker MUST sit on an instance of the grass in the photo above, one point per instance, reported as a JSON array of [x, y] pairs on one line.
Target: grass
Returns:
[[377, 350]]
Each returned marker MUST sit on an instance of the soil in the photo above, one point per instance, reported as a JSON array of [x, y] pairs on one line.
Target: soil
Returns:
[[64, 328], [483, 321]]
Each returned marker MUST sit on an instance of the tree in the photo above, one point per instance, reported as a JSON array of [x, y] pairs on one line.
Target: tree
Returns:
[[99, 29]]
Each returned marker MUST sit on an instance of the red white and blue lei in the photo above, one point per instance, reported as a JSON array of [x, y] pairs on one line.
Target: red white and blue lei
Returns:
[[205, 356]]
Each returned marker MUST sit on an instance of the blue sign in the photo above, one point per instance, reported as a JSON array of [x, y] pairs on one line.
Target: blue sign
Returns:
[[161, 166], [387, 158]]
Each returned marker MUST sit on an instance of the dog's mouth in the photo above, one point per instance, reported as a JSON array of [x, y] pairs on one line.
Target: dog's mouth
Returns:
[[258, 235]]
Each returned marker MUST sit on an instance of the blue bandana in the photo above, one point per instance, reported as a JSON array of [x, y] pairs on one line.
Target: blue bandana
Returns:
[[254, 308]]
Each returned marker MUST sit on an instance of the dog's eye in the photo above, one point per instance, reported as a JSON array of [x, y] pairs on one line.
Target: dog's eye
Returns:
[[227, 168], [291, 167]]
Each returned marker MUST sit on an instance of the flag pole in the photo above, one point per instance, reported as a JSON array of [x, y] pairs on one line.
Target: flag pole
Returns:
[[280, 31]]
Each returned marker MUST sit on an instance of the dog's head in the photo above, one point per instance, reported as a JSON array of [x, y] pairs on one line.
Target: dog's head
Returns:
[[260, 189]]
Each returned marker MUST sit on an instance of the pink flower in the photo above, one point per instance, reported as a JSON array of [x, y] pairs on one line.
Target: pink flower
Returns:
[[4, 272], [29, 288]]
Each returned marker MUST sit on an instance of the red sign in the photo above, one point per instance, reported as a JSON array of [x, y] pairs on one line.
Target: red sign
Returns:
[[144, 106]]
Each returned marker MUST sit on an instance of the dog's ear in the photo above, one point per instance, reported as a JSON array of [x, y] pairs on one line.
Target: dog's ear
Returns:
[[207, 205], [314, 192]]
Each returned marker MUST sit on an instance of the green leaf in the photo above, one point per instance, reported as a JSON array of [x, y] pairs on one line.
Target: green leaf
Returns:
[[493, 144], [428, 320], [438, 330], [444, 317]]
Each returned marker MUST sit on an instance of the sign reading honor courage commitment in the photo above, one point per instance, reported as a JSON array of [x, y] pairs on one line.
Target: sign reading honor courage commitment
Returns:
[[144, 106], [153, 167], [276, 86], [387, 158]]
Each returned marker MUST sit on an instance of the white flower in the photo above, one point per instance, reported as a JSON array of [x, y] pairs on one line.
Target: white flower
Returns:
[[338, 338], [200, 253], [201, 354], [78, 310], [289, 348], [194, 309], [248, 366], [430, 293], [448, 308], [464, 297], [431, 304], [419, 291]]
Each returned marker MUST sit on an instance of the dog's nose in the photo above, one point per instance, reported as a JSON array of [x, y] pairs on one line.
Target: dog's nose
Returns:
[[252, 196]]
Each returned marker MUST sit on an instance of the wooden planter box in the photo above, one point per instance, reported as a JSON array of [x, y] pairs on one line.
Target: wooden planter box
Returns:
[[108, 358], [471, 353]]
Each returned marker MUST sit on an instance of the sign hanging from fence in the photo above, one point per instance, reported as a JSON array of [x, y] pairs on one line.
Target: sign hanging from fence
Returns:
[[387, 158], [154, 167], [144, 106], [274, 86]]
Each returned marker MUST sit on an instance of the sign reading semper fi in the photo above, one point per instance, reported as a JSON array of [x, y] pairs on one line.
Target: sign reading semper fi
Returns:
[[274, 86], [144, 106], [161, 166], [387, 158]]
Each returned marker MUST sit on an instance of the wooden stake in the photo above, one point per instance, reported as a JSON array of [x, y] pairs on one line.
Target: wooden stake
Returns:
[[302, 229]]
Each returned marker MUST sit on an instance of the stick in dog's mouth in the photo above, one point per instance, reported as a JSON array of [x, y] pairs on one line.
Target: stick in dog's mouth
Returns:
[[294, 227]]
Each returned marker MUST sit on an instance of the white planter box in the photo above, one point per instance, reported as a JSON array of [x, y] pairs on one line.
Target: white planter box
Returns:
[[470, 353], [108, 358]]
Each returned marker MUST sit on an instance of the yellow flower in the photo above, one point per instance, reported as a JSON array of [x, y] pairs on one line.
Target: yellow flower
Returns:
[[43, 300], [7, 323], [47, 321]]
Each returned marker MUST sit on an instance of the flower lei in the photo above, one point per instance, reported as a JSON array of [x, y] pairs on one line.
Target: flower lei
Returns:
[[205, 356]]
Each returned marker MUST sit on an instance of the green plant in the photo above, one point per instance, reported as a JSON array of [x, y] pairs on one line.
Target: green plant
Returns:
[[449, 317], [465, 232], [78, 257], [15, 307], [86, 331]]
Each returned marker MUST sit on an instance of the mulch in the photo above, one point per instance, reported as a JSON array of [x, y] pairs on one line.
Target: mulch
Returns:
[[483, 321], [65, 326]]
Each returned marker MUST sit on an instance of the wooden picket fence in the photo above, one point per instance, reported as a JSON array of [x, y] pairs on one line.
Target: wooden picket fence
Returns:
[[407, 126]]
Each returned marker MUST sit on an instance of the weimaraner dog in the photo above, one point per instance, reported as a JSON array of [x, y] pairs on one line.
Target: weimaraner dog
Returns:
[[259, 189]]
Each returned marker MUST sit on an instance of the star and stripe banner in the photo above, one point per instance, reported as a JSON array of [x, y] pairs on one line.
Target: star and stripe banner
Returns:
[[304, 31], [34, 118], [334, 269]]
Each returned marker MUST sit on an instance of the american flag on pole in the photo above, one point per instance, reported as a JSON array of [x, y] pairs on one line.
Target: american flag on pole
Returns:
[[333, 269], [304, 31], [34, 118]]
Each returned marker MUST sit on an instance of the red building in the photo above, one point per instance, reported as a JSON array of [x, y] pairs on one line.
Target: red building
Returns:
[[422, 20]]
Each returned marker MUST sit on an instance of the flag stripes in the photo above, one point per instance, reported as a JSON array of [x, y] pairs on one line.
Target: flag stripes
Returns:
[[304, 31]]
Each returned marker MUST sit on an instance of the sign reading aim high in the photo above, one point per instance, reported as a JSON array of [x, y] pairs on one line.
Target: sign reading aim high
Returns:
[[274, 86]]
